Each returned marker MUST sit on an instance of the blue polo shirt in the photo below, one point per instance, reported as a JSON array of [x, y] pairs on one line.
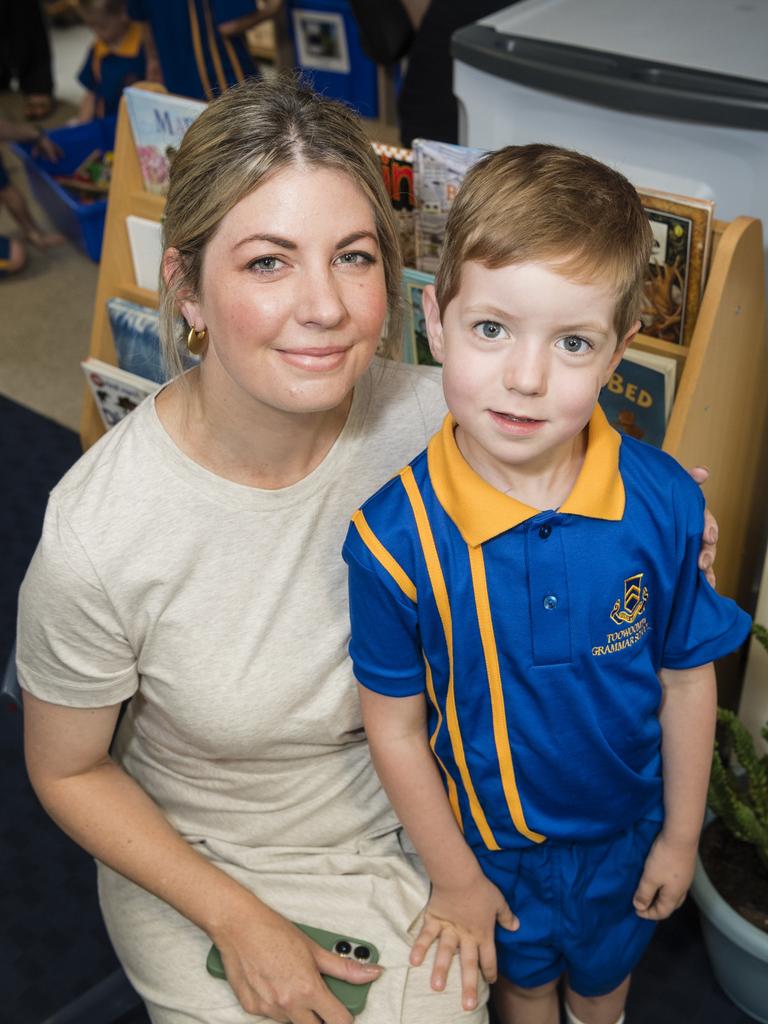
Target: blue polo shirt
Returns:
[[109, 69], [197, 60], [537, 636]]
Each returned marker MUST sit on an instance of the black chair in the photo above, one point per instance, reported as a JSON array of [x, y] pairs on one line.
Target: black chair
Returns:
[[111, 999]]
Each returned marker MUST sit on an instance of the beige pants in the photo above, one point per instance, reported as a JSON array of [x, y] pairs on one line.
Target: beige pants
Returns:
[[420, 1006]]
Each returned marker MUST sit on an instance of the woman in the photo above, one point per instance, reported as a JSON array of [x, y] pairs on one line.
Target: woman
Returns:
[[190, 560]]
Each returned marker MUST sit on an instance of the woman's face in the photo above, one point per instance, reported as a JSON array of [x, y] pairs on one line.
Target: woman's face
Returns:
[[292, 293]]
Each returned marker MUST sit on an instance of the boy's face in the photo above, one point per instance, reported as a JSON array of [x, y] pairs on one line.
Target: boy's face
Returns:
[[109, 28], [525, 352]]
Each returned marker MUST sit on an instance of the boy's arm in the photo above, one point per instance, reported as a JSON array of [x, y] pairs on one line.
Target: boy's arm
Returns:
[[688, 714], [464, 905], [87, 110]]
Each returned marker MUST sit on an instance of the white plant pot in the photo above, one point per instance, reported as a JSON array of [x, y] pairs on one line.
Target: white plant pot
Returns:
[[737, 949]]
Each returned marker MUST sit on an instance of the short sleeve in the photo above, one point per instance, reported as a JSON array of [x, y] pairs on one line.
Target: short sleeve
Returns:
[[703, 625], [71, 648], [385, 645], [86, 77]]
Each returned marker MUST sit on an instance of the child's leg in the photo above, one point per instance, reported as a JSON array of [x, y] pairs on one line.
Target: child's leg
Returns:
[[516, 1005], [18, 209], [13, 255], [607, 1009]]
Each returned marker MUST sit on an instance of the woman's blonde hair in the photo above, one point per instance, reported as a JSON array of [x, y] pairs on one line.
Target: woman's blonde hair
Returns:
[[249, 133], [550, 205]]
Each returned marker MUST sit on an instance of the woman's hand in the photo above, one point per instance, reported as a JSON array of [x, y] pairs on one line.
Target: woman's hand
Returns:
[[274, 970], [465, 920], [708, 551]]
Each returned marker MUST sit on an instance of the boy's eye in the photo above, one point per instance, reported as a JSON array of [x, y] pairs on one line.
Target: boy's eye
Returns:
[[489, 329], [573, 343]]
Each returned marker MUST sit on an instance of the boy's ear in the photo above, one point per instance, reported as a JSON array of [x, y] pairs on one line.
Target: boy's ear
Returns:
[[188, 306], [621, 348], [433, 322]]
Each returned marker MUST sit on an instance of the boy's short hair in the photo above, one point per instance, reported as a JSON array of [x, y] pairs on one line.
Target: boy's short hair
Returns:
[[550, 205]]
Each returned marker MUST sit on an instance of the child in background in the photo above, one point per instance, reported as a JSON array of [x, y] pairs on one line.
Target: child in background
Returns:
[[115, 60], [532, 634], [13, 251]]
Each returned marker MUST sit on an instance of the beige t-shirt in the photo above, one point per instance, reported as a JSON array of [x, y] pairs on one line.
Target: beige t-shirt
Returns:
[[222, 610]]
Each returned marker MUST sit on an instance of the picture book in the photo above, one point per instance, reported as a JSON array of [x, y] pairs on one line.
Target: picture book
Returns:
[[682, 230], [158, 122], [415, 341], [146, 241], [397, 171], [438, 170], [136, 334], [115, 392], [637, 400]]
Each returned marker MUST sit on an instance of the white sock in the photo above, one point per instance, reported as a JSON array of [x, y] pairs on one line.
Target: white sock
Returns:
[[571, 1017]]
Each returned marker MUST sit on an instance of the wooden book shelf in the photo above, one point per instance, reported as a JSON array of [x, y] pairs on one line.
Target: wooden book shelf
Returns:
[[719, 414]]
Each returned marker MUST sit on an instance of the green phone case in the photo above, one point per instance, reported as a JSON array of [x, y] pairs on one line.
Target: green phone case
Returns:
[[352, 996]]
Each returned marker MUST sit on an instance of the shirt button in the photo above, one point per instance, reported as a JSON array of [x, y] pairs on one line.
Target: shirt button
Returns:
[[550, 602], [544, 531]]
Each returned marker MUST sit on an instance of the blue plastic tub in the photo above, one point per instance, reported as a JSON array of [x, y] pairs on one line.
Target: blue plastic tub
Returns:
[[82, 223]]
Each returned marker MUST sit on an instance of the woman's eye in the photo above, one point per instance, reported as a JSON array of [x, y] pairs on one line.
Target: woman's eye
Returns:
[[355, 259], [265, 264], [489, 330], [573, 343]]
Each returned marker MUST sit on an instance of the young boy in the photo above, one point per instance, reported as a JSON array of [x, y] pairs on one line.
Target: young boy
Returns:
[[532, 634], [115, 60]]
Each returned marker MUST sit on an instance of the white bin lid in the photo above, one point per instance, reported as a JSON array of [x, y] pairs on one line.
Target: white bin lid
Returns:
[[697, 60]]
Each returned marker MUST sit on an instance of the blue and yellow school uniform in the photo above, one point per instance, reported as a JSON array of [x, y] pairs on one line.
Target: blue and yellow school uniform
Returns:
[[537, 637], [109, 69], [196, 59]]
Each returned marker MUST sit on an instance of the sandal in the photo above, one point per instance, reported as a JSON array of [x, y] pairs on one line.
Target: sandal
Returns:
[[38, 106]]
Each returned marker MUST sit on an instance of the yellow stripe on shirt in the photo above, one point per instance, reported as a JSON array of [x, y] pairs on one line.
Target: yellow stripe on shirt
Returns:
[[213, 47], [382, 556], [500, 733], [197, 46], [453, 796], [440, 591]]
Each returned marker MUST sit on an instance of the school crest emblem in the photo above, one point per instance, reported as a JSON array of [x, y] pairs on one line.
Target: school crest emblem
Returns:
[[635, 598]]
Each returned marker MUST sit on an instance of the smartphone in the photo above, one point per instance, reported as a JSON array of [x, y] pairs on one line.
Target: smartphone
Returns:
[[352, 996]]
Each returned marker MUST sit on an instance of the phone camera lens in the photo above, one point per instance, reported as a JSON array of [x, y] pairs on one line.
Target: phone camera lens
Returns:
[[362, 953], [342, 947]]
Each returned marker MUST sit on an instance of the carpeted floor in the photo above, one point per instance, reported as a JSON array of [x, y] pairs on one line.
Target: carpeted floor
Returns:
[[50, 929]]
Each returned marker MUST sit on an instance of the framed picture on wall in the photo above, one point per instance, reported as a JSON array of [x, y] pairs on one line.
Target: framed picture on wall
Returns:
[[321, 40]]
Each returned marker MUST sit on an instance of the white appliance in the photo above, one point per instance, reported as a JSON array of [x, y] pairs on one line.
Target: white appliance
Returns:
[[674, 93]]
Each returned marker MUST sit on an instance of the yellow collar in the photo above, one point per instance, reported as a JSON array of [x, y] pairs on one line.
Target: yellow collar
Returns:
[[128, 46], [481, 512]]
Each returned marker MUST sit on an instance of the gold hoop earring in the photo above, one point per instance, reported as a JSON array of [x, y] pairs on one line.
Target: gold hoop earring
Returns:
[[196, 341]]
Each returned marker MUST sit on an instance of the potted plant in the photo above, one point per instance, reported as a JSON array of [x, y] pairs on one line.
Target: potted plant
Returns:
[[730, 885]]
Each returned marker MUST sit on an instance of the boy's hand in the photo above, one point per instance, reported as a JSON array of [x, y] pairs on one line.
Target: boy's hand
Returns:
[[667, 876], [463, 919]]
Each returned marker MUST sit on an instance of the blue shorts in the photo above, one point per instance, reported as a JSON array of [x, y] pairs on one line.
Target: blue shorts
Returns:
[[574, 903]]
